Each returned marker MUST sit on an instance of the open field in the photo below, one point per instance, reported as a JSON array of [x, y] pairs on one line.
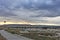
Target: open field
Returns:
[[13, 31], [35, 35]]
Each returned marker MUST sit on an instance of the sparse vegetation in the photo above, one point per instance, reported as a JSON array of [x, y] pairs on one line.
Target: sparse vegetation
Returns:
[[35, 35], [13, 31]]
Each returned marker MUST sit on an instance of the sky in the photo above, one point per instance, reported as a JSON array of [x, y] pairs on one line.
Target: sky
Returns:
[[39, 12]]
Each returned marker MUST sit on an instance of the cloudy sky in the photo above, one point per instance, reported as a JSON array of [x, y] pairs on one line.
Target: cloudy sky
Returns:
[[30, 11]]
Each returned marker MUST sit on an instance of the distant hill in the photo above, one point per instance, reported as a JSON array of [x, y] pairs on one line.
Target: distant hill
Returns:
[[29, 26]]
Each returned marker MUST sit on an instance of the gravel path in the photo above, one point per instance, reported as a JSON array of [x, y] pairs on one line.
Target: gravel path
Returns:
[[10, 36]]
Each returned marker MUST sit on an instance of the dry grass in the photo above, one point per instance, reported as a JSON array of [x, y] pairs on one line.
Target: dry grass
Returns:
[[34, 35], [13, 31]]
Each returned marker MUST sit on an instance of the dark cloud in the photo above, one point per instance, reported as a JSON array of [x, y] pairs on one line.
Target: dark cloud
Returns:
[[38, 4], [47, 13], [52, 6], [6, 13]]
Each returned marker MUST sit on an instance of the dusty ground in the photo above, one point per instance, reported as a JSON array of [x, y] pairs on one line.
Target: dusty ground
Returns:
[[2, 38]]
